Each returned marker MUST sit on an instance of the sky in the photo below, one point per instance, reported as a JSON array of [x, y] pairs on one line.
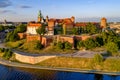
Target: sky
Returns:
[[83, 10]]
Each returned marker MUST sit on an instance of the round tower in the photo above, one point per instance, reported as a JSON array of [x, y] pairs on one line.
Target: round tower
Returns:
[[103, 22], [73, 19]]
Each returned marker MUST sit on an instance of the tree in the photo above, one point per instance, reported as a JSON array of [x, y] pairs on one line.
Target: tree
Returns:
[[41, 30], [80, 44], [21, 28], [112, 47], [1, 28], [90, 43], [91, 28], [98, 58], [60, 45], [7, 54], [12, 36], [64, 29], [75, 31], [68, 45], [104, 37], [38, 45], [110, 36], [99, 40], [2, 50]]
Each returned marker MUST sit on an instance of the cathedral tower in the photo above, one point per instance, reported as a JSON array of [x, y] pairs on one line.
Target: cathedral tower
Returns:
[[40, 17]]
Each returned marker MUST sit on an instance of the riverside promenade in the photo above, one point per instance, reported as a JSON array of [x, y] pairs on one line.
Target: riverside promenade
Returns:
[[30, 66], [23, 65]]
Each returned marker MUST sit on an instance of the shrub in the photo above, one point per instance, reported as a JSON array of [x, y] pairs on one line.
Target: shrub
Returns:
[[90, 43], [2, 49], [112, 48], [12, 36], [60, 45], [80, 44], [98, 58], [21, 28], [68, 45], [38, 45], [7, 54]]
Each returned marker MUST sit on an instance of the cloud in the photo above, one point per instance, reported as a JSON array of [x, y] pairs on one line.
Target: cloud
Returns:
[[24, 6], [5, 3], [6, 11]]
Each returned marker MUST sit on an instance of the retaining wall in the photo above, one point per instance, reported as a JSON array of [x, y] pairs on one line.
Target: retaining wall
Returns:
[[31, 59]]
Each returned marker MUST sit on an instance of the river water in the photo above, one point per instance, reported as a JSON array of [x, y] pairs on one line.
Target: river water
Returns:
[[11, 73]]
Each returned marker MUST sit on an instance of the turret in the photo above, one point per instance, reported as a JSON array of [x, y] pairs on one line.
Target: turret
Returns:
[[73, 19], [47, 19]]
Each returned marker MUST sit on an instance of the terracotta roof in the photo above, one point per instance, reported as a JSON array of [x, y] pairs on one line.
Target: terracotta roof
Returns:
[[79, 24], [52, 20], [103, 18], [68, 21], [34, 24]]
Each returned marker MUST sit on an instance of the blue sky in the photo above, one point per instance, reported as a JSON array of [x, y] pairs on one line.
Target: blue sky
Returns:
[[27, 10]]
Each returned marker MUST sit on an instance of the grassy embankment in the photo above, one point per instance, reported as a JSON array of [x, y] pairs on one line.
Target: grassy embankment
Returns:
[[66, 62], [22, 45], [82, 63], [6, 54]]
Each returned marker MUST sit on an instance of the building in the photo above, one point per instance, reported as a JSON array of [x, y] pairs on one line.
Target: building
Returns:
[[103, 23], [6, 23], [50, 24], [32, 26]]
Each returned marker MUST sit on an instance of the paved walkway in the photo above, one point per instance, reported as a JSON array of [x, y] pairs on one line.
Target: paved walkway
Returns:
[[87, 54], [16, 64]]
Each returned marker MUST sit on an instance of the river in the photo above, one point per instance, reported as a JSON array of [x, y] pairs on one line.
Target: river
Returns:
[[12, 73]]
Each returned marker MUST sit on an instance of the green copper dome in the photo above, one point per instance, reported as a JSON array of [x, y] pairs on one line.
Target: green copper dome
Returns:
[[40, 14]]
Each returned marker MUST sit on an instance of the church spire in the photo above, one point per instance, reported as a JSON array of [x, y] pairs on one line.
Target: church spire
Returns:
[[39, 14], [40, 17]]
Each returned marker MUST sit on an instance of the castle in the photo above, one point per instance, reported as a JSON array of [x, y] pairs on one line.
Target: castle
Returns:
[[52, 24]]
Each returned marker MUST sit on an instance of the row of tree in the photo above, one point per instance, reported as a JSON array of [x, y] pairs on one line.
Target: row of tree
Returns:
[[13, 35], [2, 28], [109, 39], [64, 45], [88, 29], [7, 53]]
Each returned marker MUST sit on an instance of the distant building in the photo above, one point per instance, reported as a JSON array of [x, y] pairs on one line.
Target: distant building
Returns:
[[115, 26], [6, 23]]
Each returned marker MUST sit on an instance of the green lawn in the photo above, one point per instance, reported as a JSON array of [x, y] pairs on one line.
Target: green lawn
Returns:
[[22, 45], [82, 63]]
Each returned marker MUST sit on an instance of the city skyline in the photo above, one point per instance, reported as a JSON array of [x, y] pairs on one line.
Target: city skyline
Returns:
[[88, 10]]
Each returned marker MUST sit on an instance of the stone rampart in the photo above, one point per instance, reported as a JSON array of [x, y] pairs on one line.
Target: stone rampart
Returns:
[[31, 59]]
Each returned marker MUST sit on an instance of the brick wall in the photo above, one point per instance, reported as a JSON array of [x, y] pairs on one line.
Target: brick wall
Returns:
[[66, 39], [22, 35], [45, 40]]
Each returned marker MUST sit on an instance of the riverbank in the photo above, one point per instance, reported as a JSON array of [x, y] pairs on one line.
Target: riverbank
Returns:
[[73, 64], [22, 65]]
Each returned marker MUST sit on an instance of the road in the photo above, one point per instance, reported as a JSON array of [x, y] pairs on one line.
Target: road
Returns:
[[2, 36]]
